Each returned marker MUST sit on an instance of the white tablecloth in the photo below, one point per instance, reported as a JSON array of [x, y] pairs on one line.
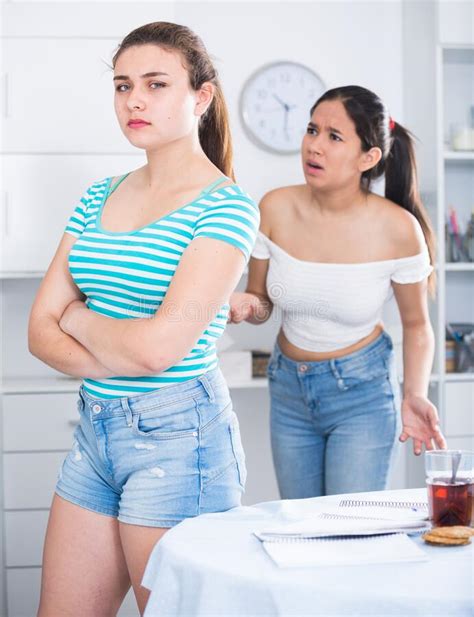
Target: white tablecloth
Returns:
[[213, 565]]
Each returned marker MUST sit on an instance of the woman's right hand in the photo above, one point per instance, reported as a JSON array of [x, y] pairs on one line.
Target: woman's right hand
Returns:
[[243, 306]]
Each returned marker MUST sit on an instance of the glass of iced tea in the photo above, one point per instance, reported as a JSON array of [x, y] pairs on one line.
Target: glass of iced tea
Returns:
[[450, 483]]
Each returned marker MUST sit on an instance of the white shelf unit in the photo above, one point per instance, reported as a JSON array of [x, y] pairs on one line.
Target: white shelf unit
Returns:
[[455, 188]]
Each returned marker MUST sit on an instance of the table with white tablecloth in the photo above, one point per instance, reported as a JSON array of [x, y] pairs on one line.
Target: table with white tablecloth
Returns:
[[214, 565]]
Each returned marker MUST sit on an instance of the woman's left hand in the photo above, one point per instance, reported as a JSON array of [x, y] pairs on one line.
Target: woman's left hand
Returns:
[[421, 423], [69, 317]]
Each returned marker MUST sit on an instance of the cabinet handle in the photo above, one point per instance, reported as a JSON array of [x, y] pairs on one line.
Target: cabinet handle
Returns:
[[73, 422]]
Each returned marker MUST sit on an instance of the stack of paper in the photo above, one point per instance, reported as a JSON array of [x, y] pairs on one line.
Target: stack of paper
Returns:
[[338, 536], [347, 551], [360, 522]]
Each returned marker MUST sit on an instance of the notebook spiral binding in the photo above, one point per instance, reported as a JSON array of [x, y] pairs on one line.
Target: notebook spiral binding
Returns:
[[353, 503], [294, 539], [350, 517]]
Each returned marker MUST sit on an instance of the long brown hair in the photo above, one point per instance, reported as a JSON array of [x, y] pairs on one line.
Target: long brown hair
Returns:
[[214, 132], [398, 162]]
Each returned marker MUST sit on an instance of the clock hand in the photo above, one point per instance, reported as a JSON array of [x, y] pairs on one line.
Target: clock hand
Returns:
[[285, 105]]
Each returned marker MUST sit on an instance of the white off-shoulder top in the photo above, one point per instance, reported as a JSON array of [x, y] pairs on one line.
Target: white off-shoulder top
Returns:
[[329, 306]]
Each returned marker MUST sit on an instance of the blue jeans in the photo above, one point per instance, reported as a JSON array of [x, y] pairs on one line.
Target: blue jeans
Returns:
[[158, 458], [334, 423]]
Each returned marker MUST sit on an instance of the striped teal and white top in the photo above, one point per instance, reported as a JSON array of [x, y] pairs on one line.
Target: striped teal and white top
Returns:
[[126, 275]]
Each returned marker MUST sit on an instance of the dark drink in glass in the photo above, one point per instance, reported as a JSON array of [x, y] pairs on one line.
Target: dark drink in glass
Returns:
[[451, 504]]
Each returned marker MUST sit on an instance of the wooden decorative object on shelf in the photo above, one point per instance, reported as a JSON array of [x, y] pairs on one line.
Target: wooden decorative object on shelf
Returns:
[[260, 363]]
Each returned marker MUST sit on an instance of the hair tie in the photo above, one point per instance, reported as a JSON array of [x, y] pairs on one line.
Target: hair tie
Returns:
[[391, 124]]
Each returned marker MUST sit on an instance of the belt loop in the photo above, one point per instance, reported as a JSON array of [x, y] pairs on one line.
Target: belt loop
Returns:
[[340, 382], [335, 372], [207, 387], [127, 410]]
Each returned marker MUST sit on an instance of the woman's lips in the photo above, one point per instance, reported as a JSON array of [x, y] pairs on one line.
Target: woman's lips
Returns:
[[312, 170], [138, 124]]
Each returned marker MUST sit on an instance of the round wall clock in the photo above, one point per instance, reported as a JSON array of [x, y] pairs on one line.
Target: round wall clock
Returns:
[[275, 103]]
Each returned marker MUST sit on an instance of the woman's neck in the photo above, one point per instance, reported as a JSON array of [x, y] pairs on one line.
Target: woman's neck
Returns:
[[338, 202], [169, 164]]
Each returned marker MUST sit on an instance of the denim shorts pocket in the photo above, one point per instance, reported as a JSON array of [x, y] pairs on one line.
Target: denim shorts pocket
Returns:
[[179, 419], [238, 449]]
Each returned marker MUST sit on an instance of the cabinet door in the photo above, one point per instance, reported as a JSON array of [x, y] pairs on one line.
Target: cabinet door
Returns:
[[459, 400], [23, 591], [39, 421], [58, 96], [29, 479], [24, 585], [40, 194], [24, 537], [455, 22]]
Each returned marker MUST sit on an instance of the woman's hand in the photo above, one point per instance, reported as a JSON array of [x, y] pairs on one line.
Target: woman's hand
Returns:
[[421, 423], [69, 317], [242, 306]]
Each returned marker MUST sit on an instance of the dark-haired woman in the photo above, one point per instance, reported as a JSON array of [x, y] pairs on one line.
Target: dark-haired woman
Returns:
[[134, 302], [328, 254]]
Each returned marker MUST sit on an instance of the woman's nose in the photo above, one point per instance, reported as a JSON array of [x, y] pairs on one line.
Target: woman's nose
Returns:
[[135, 102], [315, 144]]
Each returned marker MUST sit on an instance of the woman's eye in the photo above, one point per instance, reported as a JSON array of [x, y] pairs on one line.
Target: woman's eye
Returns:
[[311, 131], [335, 137], [158, 85], [119, 88]]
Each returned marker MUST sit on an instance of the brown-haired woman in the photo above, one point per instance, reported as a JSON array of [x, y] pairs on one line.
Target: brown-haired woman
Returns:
[[328, 254], [134, 302]]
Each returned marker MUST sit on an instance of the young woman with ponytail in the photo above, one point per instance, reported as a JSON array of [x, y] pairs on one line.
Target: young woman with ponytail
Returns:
[[328, 255], [134, 302]]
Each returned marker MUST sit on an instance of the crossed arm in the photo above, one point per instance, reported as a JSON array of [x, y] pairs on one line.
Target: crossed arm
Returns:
[[68, 336]]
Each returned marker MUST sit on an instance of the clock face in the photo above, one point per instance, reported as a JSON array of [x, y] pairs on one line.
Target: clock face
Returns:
[[275, 105]]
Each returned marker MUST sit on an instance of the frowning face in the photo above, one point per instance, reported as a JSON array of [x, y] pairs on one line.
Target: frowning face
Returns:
[[154, 101], [332, 154]]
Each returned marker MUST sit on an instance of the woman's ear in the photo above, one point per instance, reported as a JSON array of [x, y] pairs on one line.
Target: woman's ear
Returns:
[[369, 159], [204, 97]]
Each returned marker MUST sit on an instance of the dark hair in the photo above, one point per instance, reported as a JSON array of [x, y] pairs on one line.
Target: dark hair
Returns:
[[375, 129], [214, 132]]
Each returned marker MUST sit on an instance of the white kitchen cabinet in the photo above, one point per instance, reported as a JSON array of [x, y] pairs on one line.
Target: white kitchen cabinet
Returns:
[[23, 590], [39, 421], [39, 195], [62, 99], [456, 22], [460, 405], [37, 429]]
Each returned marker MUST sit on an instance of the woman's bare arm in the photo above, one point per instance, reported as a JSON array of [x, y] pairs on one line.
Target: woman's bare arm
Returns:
[[46, 340]]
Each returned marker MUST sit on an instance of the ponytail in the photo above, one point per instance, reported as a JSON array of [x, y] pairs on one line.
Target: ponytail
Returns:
[[401, 187], [215, 136]]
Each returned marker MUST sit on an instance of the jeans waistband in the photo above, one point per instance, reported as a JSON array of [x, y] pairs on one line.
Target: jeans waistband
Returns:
[[379, 347], [204, 386]]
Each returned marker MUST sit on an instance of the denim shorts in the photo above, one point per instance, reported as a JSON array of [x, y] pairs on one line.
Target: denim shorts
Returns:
[[157, 458], [335, 423]]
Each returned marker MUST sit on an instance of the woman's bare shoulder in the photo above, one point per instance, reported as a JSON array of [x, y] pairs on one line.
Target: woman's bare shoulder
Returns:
[[277, 205], [401, 227]]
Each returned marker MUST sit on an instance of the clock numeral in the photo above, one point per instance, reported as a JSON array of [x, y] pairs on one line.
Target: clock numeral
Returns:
[[262, 94], [262, 123], [285, 78]]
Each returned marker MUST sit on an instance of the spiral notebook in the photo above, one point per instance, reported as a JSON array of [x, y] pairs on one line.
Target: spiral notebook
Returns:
[[313, 552], [352, 532]]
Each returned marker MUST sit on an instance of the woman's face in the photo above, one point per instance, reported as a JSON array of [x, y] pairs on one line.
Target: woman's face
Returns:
[[331, 151], [152, 85]]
